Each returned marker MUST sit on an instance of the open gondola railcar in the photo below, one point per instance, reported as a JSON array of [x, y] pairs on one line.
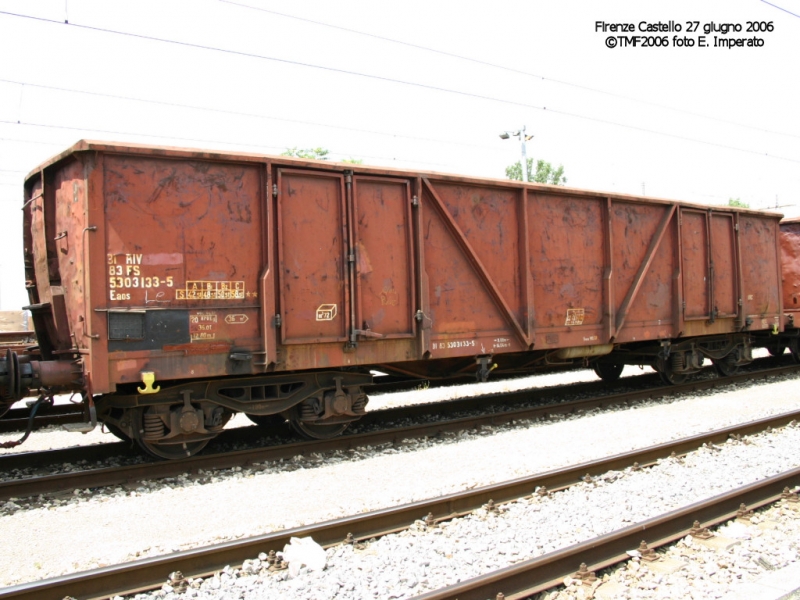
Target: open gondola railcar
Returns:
[[173, 288], [789, 338]]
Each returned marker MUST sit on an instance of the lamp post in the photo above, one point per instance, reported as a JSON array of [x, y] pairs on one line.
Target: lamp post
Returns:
[[523, 137]]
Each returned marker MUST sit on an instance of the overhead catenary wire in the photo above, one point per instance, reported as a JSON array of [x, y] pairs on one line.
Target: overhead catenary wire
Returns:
[[508, 69], [401, 82], [780, 8], [17, 140], [200, 140], [243, 114]]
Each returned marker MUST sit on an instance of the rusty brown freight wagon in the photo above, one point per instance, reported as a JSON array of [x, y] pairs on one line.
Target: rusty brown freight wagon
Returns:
[[176, 287], [790, 270]]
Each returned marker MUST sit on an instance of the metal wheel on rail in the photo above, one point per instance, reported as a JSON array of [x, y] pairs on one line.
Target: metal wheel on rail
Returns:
[[116, 432], [173, 450], [110, 421], [319, 430], [671, 378], [727, 366], [146, 435], [609, 372], [795, 353], [671, 369], [328, 414]]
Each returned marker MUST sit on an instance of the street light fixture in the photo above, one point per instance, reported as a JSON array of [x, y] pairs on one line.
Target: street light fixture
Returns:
[[523, 137]]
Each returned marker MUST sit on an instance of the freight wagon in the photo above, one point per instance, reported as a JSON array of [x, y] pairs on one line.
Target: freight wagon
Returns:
[[790, 270], [172, 288]]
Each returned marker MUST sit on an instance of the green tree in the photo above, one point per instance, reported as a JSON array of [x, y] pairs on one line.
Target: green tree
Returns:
[[317, 154], [737, 203], [544, 172], [312, 153]]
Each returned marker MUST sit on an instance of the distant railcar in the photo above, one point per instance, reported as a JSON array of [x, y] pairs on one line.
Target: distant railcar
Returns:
[[173, 288]]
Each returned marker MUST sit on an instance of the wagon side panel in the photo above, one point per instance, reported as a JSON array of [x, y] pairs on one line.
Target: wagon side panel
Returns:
[[384, 258], [567, 241], [790, 267], [761, 277], [473, 271], [643, 259], [489, 218], [184, 251]]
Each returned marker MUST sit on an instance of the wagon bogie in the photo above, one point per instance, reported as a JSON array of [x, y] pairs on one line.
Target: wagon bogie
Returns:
[[195, 412], [677, 359]]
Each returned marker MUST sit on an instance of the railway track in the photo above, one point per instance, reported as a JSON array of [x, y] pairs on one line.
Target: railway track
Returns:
[[498, 402], [16, 419], [127, 474], [524, 578], [529, 577]]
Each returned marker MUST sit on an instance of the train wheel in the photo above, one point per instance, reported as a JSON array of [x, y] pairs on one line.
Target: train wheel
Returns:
[[172, 451], [169, 448], [726, 366], [670, 377], [670, 370], [116, 432], [608, 371], [268, 421], [318, 431]]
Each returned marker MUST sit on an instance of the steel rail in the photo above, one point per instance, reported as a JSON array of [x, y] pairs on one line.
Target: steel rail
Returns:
[[102, 477], [500, 400], [16, 419], [152, 572], [529, 577]]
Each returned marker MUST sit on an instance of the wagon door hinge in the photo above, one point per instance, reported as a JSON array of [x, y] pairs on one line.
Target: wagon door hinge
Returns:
[[368, 333], [423, 319], [414, 201], [275, 190], [276, 320], [736, 227]]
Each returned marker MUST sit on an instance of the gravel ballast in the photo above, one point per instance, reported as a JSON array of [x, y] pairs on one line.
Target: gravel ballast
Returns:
[[423, 558], [93, 529], [755, 550]]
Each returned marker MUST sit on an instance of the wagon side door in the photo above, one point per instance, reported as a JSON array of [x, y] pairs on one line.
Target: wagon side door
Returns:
[[383, 254], [710, 276], [312, 251], [346, 260]]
